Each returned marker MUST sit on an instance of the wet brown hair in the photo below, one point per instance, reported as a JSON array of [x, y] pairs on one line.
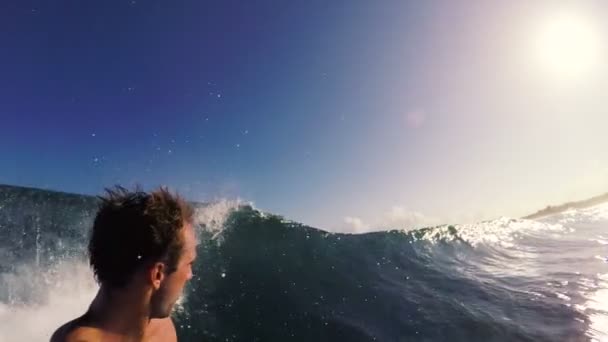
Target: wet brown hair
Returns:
[[135, 228]]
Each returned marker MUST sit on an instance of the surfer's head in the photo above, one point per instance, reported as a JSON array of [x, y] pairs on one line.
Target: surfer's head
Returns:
[[144, 242]]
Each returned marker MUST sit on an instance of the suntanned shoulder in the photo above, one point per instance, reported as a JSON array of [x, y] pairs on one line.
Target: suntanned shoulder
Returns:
[[74, 332], [84, 334], [161, 330]]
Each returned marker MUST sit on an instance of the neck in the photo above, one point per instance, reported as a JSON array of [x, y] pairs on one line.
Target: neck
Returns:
[[121, 312]]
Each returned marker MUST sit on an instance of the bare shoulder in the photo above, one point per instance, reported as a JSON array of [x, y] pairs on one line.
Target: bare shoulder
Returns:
[[162, 330], [74, 331], [159, 330]]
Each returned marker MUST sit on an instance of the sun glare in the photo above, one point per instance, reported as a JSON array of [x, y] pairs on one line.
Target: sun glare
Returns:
[[568, 45]]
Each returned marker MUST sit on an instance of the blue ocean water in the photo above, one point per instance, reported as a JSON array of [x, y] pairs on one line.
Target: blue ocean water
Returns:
[[260, 277]]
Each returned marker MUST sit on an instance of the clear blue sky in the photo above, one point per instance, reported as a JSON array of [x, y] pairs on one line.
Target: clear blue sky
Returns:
[[330, 113]]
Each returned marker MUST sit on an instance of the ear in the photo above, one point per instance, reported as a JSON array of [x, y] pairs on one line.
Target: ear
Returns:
[[157, 274]]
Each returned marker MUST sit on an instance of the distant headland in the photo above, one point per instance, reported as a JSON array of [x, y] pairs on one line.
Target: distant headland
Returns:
[[550, 210]]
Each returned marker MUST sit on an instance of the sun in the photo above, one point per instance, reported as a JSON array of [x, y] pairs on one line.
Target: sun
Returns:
[[567, 45]]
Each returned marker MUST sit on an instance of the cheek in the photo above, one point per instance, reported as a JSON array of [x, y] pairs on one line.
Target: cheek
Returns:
[[185, 274]]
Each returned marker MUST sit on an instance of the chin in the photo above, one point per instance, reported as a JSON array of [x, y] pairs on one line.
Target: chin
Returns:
[[162, 314], [161, 311]]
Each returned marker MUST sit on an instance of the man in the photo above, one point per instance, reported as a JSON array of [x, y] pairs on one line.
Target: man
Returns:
[[141, 250]]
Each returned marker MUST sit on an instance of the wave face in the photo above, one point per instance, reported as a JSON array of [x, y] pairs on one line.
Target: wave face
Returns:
[[262, 278]]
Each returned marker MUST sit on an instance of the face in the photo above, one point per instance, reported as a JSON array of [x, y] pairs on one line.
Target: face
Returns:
[[173, 284]]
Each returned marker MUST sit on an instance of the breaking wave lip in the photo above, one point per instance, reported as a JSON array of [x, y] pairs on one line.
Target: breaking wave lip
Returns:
[[502, 231], [211, 216], [592, 214]]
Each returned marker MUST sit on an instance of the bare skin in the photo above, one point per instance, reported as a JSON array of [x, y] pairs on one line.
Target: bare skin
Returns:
[[80, 330], [139, 312]]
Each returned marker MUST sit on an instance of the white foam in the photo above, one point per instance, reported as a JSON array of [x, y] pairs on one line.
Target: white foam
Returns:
[[563, 296], [213, 216], [61, 293], [598, 213], [502, 231]]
